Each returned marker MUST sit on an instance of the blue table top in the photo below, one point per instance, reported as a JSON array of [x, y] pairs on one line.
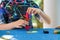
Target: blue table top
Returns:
[[23, 35]]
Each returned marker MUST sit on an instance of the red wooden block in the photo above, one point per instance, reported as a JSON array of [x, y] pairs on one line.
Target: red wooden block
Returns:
[[27, 27], [27, 16]]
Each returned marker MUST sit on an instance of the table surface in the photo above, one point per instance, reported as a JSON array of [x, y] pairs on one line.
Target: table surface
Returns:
[[23, 35]]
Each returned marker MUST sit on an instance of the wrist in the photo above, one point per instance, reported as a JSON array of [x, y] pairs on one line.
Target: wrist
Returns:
[[12, 25], [39, 11]]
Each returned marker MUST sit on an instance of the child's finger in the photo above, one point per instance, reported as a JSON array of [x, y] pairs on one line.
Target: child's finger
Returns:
[[28, 10], [26, 23]]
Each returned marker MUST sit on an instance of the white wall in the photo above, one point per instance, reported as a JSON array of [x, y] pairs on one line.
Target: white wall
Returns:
[[58, 12], [50, 9]]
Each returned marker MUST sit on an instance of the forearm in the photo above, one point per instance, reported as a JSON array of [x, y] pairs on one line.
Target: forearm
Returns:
[[44, 16], [6, 26]]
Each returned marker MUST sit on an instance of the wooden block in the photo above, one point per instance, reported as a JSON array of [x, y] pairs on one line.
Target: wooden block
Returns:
[[46, 32], [56, 31]]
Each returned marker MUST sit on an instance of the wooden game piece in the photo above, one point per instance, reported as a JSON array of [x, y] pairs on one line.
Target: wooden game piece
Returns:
[[26, 16], [46, 32], [7, 36], [27, 27], [56, 31], [29, 32]]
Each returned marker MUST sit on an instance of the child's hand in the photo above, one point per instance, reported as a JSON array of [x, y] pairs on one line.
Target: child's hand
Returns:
[[33, 10], [20, 23], [44, 17]]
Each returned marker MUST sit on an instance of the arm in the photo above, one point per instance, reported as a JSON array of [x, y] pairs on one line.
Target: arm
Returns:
[[16, 24], [42, 14], [6, 26]]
